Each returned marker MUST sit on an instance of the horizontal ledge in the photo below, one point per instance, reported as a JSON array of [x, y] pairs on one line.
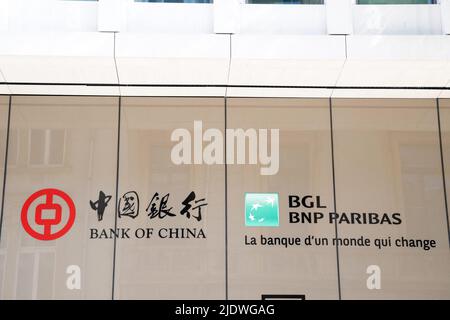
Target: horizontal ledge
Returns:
[[227, 86]]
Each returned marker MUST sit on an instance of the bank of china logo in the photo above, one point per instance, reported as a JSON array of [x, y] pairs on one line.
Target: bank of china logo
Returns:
[[261, 210]]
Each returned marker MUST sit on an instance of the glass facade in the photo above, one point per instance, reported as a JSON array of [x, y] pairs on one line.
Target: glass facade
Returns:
[[4, 102], [397, 1], [304, 169], [168, 267], [444, 117], [285, 1], [387, 161], [320, 198], [322, 2], [176, 1], [67, 143]]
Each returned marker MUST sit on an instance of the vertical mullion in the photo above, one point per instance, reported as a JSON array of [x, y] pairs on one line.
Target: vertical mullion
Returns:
[[226, 200], [334, 197], [119, 114], [5, 165], [442, 166]]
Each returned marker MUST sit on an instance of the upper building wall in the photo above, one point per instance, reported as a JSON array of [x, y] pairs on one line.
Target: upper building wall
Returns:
[[228, 47], [223, 16]]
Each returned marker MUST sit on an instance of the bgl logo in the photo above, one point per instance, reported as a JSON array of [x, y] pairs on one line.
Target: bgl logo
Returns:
[[261, 210]]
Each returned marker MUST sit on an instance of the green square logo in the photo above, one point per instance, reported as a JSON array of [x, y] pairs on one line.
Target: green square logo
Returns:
[[261, 210]]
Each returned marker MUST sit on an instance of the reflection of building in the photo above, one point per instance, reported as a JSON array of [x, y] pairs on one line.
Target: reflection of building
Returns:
[[359, 92]]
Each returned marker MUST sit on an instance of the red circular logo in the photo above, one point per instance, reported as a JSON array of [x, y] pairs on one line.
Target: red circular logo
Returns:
[[48, 222]]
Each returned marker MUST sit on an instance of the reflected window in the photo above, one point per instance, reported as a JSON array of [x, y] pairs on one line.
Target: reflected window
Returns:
[[421, 181], [47, 147], [35, 278], [13, 148], [176, 175]]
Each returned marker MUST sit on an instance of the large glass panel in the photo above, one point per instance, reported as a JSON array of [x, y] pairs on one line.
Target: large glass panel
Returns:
[[397, 1], [285, 1], [3, 132], [390, 200], [176, 1], [272, 256], [174, 212], [68, 144], [444, 109]]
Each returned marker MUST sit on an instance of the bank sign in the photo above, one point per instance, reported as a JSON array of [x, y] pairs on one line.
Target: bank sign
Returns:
[[44, 219], [48, 220]]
